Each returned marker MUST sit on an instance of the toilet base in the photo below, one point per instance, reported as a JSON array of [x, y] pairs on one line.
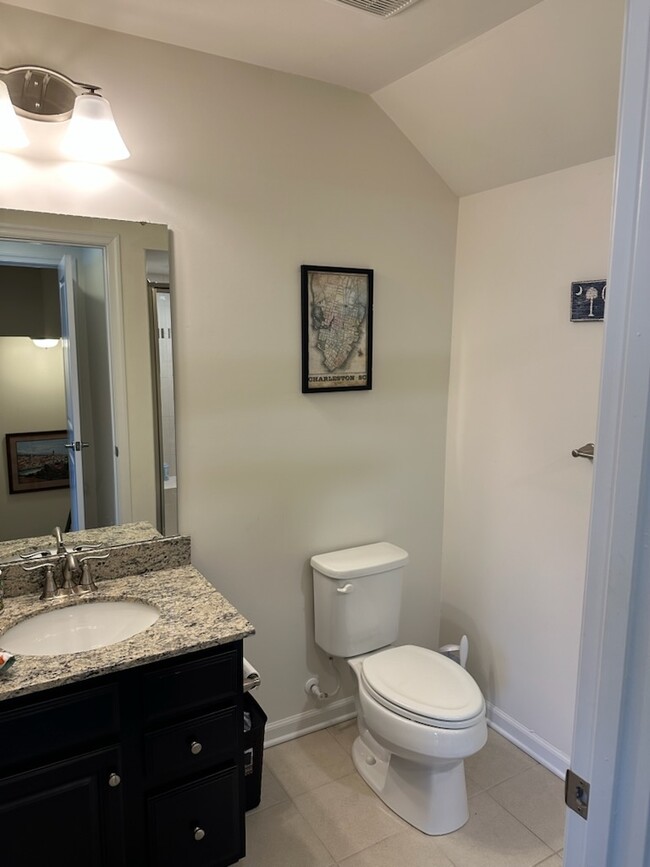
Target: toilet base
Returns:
[[431, 797]]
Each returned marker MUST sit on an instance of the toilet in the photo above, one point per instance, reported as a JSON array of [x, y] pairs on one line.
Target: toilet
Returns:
[[420, 714]]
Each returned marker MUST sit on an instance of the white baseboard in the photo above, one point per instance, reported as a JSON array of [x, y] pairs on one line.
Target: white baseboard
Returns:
[[339, 711], [539, 749], [309, 721]]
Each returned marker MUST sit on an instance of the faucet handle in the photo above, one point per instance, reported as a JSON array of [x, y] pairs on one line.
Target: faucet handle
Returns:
[[87, 585], [93, 556], [37, 555], [38, 566], [49, 585], [87, 546]]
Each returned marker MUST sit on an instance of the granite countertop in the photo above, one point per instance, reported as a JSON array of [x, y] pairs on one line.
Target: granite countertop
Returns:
[[194, 616], [121, 534]]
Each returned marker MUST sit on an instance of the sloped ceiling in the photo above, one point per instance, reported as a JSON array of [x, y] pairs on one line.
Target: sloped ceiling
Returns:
[[489, 91], [321, 39], [536, 94]]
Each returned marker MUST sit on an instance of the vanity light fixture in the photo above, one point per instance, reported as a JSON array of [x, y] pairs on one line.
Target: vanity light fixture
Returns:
[[41, 94], [12, 136]]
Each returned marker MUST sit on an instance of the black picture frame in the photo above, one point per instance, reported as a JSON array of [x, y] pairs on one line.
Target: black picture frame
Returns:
[[588, 300], [337, 314], [37, 461]]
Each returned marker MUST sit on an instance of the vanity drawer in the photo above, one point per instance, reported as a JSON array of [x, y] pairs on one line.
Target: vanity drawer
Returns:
[[198, 825], [192, 746], [48, 727], [184, 686]]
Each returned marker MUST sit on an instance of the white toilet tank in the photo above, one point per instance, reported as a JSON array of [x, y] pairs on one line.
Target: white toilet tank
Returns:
[[357, 596]]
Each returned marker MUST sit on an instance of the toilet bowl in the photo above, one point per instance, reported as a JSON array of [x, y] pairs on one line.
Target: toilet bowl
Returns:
[[420, 714], [411, 752]]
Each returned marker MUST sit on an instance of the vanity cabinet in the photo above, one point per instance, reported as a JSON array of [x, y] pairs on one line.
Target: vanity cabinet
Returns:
[[143, 768], [64, 813]]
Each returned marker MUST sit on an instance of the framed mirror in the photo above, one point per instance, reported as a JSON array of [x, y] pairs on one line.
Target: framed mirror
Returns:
[[84, 285]]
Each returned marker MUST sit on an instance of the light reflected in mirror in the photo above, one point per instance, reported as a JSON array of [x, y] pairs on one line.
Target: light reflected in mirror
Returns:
[[84, 282]]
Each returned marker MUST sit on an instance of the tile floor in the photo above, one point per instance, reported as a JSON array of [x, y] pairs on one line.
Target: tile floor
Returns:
[[317, 812]]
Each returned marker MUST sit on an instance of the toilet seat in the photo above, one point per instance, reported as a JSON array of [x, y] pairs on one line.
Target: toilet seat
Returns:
[[423, 686]]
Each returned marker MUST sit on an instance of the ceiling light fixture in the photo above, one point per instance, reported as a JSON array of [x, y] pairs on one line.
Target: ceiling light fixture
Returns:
[[41, 94], [45, 342]]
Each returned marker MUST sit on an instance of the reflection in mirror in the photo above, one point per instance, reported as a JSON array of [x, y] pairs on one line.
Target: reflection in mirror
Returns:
[[81, 282], [162, 356]]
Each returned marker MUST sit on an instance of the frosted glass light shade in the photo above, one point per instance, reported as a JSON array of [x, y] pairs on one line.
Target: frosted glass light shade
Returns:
[[45, 342], [92, 134], [12, 135]]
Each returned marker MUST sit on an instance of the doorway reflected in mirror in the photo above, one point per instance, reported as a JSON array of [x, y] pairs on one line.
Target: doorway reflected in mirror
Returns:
[[83, 284]]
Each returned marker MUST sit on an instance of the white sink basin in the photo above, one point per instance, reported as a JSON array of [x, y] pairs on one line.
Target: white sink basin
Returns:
[[78, 627]]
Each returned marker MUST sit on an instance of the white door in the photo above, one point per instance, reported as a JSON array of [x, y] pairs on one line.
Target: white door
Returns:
[[74, 442], [611, 743]]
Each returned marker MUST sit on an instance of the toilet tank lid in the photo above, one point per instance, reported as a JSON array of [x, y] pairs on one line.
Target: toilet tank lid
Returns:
[[364, 560]]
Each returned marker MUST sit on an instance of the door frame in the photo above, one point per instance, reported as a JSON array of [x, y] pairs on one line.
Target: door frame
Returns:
[[117, 359], [611, 749], [66, 280]]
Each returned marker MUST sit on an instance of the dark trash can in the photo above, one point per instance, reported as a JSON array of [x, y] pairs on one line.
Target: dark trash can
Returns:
[[253, 751]]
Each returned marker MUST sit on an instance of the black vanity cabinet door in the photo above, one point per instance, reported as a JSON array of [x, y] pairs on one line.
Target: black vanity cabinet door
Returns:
[[197, 825], [63, 814]]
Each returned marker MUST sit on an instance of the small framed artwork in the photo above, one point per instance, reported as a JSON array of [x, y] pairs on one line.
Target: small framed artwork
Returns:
[[336, 328], [588, 300], [37, 461]]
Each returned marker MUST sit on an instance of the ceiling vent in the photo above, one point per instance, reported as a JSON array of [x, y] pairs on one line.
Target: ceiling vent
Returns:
[[383, 8]]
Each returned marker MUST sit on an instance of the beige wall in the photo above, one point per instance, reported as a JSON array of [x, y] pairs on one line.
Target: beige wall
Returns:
[[258, 172], [534, 95], [29, 302], [32, 398], [523, 393]]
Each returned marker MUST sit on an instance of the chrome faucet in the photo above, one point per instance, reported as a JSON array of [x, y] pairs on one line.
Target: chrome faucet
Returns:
[[70, 568], [73, 583], [60, 549], [60, 545], [50, 587]]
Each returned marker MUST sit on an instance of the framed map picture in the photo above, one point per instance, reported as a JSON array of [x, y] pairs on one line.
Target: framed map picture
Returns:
[[336, 328]]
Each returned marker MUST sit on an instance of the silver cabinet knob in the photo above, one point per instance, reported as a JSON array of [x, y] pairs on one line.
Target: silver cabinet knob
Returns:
[[114, 780], [195, 748], [199, 833]]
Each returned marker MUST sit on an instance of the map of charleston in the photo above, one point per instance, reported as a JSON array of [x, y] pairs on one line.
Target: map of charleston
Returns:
[[338, 312]]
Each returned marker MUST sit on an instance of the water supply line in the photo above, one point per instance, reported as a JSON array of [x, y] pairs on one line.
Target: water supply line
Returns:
[[312, 687]]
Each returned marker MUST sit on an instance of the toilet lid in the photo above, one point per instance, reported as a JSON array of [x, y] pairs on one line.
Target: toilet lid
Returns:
[[424, 686]]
